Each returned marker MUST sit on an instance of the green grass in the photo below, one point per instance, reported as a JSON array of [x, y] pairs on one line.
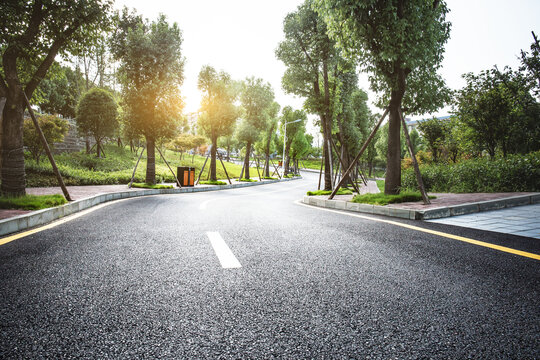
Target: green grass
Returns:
[[382, 199], [380, 185], [151, 186], [85, 169], [247, 180], [209, 182], [341, 191], [32, 202], [269, 178]]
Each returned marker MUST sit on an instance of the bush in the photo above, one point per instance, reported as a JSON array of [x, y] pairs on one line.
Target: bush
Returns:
[[382, 199], [54, 129], [513, 173]]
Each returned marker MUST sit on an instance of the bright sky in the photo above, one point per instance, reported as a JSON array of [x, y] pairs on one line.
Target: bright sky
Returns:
[[240, 37]]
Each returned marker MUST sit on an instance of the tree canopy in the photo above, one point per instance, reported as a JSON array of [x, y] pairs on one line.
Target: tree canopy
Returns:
[[97, 114]]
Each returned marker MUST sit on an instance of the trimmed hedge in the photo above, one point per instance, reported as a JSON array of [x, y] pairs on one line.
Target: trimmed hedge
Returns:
[[513, 173]]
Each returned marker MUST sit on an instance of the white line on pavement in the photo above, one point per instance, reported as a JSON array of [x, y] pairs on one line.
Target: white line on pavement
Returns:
[[223, 252]]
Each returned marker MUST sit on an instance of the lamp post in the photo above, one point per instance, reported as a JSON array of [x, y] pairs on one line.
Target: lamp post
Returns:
[[285, 140]]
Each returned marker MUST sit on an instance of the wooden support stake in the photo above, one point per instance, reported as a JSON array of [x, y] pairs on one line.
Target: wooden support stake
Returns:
[[47, 149], [276, 169], [364, 147], [342, 165], [163, 157], [202, 169], [320, 172], [258, 172], [135, 169], [331, 165], [226, 173], [415, 163]]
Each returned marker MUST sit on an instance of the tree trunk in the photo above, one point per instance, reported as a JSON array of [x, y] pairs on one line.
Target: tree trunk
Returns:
[[267, 154], [13, 172], [150, 161], [327, 161], [246, 161], [213, 152], [98, 147], [393, 158], [328, 126]]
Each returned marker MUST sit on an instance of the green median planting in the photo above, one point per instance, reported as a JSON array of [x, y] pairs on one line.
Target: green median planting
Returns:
[[32, 202], [151, 186], [382, 199]]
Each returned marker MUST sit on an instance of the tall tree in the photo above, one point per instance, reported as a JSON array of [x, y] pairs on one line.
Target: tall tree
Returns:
[[269, 134], [288, 115], [97, 114], [32, 34], [400, 43], [257, 100], [218, 112], [61, 92], [311, 57], [152, 70]]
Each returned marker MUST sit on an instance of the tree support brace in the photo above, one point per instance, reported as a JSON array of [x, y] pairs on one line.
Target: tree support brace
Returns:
[[47, 149], [135, 169], [364, 147], [415, 163], [173, 174]]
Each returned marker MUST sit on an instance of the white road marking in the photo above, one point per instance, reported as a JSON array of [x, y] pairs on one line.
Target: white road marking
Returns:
[[223, 252]]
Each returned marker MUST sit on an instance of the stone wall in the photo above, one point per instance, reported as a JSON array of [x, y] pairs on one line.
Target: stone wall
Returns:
[[72, 141]]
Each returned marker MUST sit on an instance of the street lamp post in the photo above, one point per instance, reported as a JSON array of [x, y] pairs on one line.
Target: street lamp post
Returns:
[[285, 140]]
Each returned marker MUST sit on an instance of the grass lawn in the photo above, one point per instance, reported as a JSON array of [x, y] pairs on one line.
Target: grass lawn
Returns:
[[32, 202], [209, 182], [382, 199], [151, 186], [380, 185], [341, 191], [85, 169], [247, 180]]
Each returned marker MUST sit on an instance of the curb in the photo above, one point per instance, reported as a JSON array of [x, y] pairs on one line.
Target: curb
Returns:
[[40, 217], [436, 213]]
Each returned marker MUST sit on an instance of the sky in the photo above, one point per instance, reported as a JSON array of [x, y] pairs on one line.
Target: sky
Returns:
[[240, 37]]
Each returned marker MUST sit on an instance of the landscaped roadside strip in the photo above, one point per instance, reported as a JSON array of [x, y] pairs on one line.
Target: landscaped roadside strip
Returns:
[[40, 217], [415, 214]]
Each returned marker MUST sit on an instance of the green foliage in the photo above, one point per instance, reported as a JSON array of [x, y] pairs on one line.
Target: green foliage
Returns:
[[434, 134], [151, 186], [97, 114], [382, 199], [151, 71], [394, 42], [85, 169], [341, 191], [32, 202], [514, 173], [54, 129], [246, 180], [499, 112], [211, 182], [60, 92]]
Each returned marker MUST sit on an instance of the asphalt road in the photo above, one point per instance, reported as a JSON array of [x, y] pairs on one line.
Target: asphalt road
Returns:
[[141, 278]]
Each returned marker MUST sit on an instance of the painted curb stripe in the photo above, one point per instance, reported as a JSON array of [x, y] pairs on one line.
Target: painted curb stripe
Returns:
[[434, 232]]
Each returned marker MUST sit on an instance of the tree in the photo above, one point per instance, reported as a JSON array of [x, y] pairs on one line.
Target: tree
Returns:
[[288, 115], [151, 70], [400, 43], [434, 133], [530, 63], [257, 100], [219, 113], [185, 142], [32, 34], [97, 114], [300, 146], [500, 112], [311, 58], [269, 134], [54, 129], [60, 93]]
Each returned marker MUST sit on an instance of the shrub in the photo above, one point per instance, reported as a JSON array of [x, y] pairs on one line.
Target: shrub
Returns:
[[54, 129], [513, 173]]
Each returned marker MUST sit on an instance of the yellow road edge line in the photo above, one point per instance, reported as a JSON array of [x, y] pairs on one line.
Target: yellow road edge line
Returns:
[[434, 232], [55, 223]]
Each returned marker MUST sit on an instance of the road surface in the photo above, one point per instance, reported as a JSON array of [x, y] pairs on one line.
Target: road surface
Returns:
[[250, 273]]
